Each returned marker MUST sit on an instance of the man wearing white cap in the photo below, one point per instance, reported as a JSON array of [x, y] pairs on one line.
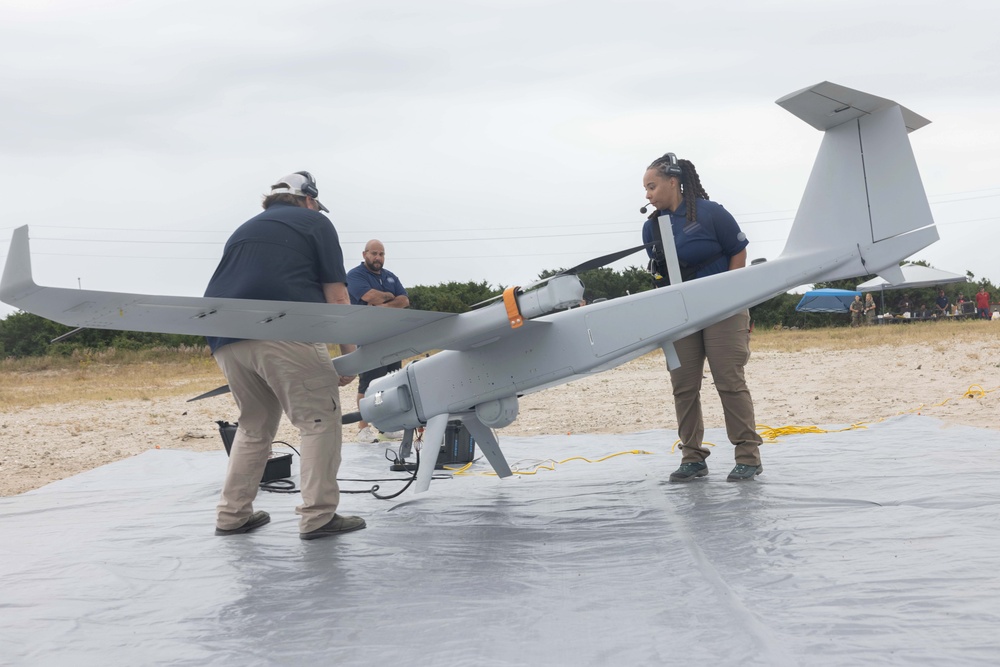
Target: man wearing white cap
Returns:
[[290, 252]]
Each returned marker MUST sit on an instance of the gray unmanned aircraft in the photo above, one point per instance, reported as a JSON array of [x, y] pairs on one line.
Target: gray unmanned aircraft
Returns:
[[863, 211]]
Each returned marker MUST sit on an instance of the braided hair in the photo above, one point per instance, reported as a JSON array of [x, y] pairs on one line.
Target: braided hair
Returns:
[[689, 180]]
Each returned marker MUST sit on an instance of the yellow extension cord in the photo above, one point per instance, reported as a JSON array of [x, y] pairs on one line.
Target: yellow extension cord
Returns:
[[546, 464], [768, 433], [771, 435]]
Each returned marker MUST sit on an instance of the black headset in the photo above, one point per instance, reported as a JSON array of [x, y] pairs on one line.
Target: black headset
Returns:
[[671, 168], [309, 187]]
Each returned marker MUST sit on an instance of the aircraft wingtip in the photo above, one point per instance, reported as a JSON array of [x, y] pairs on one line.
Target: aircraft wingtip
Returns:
[[17, 271]]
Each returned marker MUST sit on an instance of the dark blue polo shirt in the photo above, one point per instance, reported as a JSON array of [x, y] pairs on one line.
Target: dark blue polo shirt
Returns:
[[360, 280], [714, 232], [285, 253]]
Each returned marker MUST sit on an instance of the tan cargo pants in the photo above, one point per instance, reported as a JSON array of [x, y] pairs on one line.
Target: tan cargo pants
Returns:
[[726, 345], [266, 379]]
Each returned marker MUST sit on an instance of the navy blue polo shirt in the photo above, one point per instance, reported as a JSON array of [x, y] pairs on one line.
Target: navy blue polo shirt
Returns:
[[360, 280], [715, 231], [285, 253]]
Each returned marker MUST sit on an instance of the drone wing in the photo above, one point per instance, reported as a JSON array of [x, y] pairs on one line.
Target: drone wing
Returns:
[[201, 316]]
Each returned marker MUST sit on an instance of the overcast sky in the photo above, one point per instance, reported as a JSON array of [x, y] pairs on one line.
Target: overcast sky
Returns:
[[479, 140]]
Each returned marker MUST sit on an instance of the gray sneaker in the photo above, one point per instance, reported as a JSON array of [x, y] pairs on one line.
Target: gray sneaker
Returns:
[[256, 520], [744, 473], [338, 524], [688, 471]]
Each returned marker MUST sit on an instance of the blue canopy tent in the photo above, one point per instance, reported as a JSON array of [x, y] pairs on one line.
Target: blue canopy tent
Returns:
[[826, 301]]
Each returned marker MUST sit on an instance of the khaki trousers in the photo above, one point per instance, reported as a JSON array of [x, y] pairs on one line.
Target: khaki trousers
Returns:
[[726, 345], [266, 379]]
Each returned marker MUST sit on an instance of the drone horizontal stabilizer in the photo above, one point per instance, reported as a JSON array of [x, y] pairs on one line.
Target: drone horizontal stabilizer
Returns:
[[827, 105]]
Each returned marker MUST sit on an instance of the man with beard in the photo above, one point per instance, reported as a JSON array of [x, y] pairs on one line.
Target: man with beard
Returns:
[[289, 252], [371, 284]]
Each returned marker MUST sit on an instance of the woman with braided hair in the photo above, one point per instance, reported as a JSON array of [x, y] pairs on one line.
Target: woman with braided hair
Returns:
[[708, 241]]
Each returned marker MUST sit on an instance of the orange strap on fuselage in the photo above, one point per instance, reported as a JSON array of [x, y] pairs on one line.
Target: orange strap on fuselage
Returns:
[[510, 302]]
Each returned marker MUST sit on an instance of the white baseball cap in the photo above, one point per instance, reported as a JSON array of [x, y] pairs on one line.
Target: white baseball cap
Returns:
[[300, 184]]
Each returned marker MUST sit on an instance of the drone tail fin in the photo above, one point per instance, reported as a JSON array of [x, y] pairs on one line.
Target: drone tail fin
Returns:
[[864, 194]]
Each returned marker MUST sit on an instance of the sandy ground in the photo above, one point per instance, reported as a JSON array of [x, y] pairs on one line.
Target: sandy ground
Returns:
[[957, 384]]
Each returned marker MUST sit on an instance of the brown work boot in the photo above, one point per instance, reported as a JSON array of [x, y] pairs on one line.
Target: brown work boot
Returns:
[[256, 520], [338, 524]]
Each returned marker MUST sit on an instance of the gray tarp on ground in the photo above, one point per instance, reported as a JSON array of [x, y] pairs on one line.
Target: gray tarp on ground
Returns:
[[873, 546]]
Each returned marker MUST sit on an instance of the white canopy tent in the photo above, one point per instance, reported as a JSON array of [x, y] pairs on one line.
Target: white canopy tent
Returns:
[[914, 276]]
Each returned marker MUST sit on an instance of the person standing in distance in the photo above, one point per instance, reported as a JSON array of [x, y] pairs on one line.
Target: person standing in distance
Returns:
[[290, 252], [870, 309], [857, 308], [983, 303], [369, 283], [708, 241], [941, 304]]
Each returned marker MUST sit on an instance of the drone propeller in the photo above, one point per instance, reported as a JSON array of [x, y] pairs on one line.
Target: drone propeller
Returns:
[[589, 265], [599, 262], [345, 418], [218, 391]]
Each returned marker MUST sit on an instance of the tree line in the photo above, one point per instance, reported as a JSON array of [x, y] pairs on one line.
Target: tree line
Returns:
[[26, 335]]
